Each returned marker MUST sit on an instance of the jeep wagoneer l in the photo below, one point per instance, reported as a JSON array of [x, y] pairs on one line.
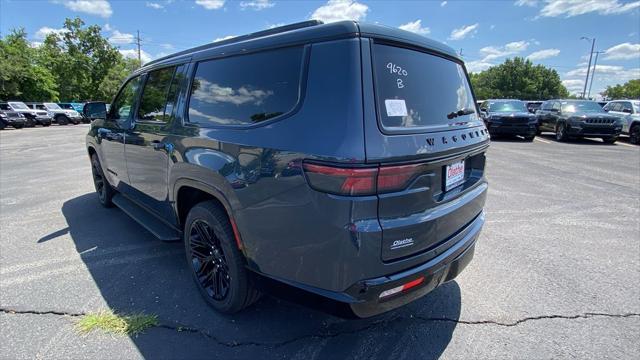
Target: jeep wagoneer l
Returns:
[[345, 160]]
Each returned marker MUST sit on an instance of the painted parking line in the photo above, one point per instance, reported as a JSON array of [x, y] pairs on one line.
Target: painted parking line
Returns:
[[543, 141], [625, 144]]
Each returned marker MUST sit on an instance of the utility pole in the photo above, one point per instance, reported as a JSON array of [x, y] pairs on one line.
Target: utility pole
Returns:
[[593, 73], [140, 58], [593, 43]]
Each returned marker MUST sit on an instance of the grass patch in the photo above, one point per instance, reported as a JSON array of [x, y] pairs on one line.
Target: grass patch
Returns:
[[120, 324]]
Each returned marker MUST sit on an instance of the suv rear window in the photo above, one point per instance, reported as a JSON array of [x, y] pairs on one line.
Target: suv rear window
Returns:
[[246, 89], [416, 90]]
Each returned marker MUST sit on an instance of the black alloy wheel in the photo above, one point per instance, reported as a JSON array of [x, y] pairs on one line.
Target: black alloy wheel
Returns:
[[208, 261], [103, 188], [217, 265]]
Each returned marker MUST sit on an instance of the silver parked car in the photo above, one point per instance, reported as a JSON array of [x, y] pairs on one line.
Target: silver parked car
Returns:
[[60, 115], [629, 112]]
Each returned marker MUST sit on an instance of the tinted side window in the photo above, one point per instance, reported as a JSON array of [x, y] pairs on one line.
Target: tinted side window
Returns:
[[556, 105], [246, 89], [626, 106], [4, 107], [546, 105], [154, 95], [123, 104]]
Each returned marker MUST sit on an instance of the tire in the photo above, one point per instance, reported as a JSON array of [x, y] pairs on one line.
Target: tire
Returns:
[[2, 125], [103, 188], [610, 140], [46, 124], [529, 138], [29, 123], [62, 120], [634, 134], [561, 132], [15, 126], [214, 260]]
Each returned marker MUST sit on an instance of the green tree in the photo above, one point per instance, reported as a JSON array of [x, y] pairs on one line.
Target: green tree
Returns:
[[81, 59], [628, 90], [22, 76], [518, 78]]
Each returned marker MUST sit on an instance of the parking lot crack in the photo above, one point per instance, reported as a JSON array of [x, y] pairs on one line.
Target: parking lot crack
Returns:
[[333, 334], [37, 312]]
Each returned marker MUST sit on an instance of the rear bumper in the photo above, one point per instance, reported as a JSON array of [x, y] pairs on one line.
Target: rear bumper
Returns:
[[445, 267]]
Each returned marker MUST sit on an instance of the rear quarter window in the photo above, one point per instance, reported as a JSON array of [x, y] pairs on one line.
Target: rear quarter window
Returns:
[[417, 90], [247, 89]]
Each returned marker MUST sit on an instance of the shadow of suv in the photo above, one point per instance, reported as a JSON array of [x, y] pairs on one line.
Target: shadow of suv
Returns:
[[341, 160]]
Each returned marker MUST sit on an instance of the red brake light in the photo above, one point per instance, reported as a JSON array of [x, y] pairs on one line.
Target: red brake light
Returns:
[[360, 181], [341, 181], [394, 178]]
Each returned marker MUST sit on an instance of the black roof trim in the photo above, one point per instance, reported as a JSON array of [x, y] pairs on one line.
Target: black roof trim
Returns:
[[258, 34]]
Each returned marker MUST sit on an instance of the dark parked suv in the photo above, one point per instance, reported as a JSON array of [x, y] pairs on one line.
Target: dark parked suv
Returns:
[[578, 118], [345, 161], [509, 117]]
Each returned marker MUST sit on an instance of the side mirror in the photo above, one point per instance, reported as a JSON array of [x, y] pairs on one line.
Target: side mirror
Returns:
[[95, 110]]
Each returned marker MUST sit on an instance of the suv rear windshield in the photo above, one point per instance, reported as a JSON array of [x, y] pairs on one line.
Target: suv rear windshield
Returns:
[[416, 90]]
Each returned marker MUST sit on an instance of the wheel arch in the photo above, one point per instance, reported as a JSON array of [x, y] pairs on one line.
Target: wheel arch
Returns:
[[189, 192]]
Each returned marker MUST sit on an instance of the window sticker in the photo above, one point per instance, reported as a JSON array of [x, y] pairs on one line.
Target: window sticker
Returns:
[[395, 107]]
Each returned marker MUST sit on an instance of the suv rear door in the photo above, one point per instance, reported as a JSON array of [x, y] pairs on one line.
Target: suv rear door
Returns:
[[148, 145], [421, 119]]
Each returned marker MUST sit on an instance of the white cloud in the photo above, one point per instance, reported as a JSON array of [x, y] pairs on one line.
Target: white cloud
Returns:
[[211, 4], [120, 38], [107, 27], [543, 54], [442, 4], [573, 85], [224, 38], [415, 27], [35, 44], [42, 33], [100, 8], [133, 54], [462, 32], [612, 71], [154, 5], [495, 52], [167, 46], [570, 8], [624, 51], [337, 10], [530, 3], [478, 65], [257, 4]]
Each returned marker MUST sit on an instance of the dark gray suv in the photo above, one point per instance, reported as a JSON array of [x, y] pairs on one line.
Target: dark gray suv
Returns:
[[342, 160]]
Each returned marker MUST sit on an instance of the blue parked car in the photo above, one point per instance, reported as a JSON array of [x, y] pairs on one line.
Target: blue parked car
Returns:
[[342, 160]]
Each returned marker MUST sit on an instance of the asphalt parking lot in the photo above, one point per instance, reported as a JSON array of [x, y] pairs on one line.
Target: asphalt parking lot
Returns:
[[555, 274]]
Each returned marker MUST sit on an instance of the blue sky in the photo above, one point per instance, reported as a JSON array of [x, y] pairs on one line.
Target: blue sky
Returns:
[[487, 32]]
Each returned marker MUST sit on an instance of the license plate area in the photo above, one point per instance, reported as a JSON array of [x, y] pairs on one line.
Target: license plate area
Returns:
[[453, 175]]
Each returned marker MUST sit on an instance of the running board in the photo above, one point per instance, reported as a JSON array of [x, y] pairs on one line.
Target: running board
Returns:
[[154, 225]]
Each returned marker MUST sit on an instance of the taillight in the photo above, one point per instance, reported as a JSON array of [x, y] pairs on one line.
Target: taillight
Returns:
[[341, 181], [360, 181]]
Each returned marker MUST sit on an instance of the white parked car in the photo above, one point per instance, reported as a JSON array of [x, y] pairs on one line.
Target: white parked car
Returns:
[[59, 115], [629, 112]]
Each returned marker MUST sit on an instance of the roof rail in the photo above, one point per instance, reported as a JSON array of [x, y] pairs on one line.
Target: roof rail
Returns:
[[258, 34]]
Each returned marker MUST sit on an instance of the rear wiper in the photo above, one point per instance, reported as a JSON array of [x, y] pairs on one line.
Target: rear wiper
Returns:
[[460, 112]]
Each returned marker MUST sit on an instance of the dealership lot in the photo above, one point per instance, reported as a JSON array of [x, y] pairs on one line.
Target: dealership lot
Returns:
[[555, 272]]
